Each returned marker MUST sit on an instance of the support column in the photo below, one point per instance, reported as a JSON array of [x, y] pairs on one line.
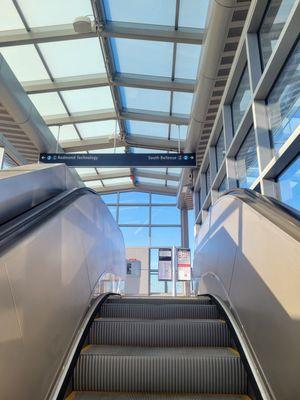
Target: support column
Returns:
[[1, 157]]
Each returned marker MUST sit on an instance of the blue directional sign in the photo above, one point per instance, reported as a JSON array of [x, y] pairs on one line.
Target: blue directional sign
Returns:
[[130, 160]]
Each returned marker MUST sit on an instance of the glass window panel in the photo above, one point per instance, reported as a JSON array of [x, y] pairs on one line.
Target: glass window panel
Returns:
[[134, 197], [155, 12], [73, 57], [85, 171], [117, 181], [145, 99], [161, 171], [110, 198], [82, 100], [207, 179], [173, 184], [10, 18], [187, 60], [117, 150], [272, 26], [147, 128], [66, 132], [157, 287], [220, 149], [162, 199], [174, 171], [165, 215], [93, 184], [192, 13], [48, 104], [98, 128], [7, 162], [182, 102], [113, 211], [284, 101], [241, 100], [246, 161], [133, 215], [151, 181], [146, 150], [25, 62], [104, 172], [54, 12], [223, 185], [179, 131], [136, 236], [161, 237], [142, 56], [289, 184]]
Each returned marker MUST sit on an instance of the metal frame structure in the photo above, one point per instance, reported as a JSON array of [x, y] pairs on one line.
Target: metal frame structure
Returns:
[[270, 165], [105, 30]]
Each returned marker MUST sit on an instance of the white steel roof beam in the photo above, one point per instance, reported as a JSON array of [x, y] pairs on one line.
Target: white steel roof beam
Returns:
[[53, 33], [159, 33]]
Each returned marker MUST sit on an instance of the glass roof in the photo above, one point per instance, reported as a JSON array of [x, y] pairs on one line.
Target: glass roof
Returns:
[[64, 59], [63, 63]]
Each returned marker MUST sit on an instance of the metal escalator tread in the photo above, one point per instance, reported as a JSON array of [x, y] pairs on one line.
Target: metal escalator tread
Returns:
[[160, 333], [152, 369], [159, 300], [150, 396], [159, 311]]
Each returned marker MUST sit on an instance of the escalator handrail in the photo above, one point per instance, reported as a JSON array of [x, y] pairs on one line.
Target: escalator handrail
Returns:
[[285, 217], [58, 391], [13, 229]]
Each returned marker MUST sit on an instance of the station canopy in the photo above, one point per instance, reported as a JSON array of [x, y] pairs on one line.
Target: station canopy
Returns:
[[127, 87]]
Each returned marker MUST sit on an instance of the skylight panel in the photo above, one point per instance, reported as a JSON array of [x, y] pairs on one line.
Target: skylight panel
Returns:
[[117, 150], [82, 100], [192, 13], [145, 99], [48, 104], [117, 181], [154, 170], [187, 60], [174, 171], [105, 171], [142, 56], [182, 103], [178, 131], [151, 181], [73, 57], [54, 12], [172, 184], [10, 18], [98, 129], [66, 132], [141, 150], [147, 128], [93, 184], [25, 62], [85, 172], [155, 12]]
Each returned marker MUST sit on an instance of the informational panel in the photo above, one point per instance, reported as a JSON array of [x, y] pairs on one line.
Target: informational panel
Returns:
[[133, 267], [182, 160], [165, 264], [183, 264]]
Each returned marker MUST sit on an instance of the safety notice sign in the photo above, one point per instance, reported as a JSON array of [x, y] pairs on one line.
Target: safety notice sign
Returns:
[[184, 264], [165, 264]]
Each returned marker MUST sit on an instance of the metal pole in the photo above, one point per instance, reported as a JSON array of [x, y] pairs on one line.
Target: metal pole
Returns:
[[185, 243], [174, 277]]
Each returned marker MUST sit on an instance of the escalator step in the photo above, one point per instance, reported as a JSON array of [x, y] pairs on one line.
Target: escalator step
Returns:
[[159, 333], [159, 300], [149, 396], [159, 311], [153, 369]]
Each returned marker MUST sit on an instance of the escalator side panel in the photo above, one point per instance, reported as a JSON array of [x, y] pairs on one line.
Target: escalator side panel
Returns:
[[46, 281], [255, 268]]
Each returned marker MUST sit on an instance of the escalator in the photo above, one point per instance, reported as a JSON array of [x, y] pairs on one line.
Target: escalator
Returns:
[[63, 336], [158, 348]]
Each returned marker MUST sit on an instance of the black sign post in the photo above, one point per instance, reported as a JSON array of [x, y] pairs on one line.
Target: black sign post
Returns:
[[130, 160]]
